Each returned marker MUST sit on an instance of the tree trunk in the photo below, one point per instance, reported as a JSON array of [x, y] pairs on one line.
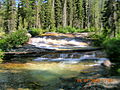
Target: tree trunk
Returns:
[[114, 18], [84, 14], [88, 13], [37, 23], [65, 13], [71, 13]]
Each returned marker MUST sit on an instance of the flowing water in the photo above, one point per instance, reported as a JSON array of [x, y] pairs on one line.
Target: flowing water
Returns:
[[48, 71], [50, 42]]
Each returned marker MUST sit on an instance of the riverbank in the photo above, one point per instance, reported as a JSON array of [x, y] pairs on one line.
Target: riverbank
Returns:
[[62, 62]]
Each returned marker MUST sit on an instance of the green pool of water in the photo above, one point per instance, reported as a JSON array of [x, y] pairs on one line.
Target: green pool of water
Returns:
[[37, 75]]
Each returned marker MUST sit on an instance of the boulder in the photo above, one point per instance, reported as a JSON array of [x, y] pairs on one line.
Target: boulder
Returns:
[[107, 63], [29, 35]]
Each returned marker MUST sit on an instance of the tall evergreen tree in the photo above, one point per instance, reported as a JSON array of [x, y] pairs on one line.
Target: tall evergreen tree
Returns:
[[10, 16], [58, 13], [84, 13], [69, 12], [2, 9], [37, 14], [109, 18], [77, 13], [47, 15], [118, 16]]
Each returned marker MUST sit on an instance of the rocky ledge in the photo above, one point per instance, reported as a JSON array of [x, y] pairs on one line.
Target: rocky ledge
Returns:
[[95, 78], [54, 42]]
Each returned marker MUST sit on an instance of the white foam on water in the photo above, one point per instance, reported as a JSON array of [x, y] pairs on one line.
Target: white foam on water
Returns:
[[69, 62], [65, 59], [93, 65], [40, 59], [49, 43], [70, 59]]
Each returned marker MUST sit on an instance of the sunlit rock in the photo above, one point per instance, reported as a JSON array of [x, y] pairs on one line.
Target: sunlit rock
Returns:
[[107, 63], [29, 35], [50, 34]]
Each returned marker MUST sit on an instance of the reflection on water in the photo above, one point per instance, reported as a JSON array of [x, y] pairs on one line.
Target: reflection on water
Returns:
[[46, 71]]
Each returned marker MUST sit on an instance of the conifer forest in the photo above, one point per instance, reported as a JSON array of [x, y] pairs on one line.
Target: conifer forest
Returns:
[[59, 44], [102, 16]]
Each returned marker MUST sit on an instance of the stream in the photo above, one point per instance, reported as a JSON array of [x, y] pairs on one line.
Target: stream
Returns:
[[53, 71]]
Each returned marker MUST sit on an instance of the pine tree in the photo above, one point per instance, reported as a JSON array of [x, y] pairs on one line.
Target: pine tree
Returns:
[[10, 16], [47, 15], [96, 14], [80, 13], [77, 13], [52, 14], [58, 13], [22, 14], [69, 12], [37, 14], [109, 18], [84, 14], [118, 17], [1, 15]]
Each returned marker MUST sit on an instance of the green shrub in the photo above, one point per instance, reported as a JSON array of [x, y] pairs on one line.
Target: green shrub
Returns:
[[92, 29], [1, 55], [67, 29], [112, 48], [97, 39], [3, 44], [13, 40], [118, 70], [36, 31], [115, 70]]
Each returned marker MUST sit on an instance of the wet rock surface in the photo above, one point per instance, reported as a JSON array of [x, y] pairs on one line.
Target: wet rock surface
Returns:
[[95, 78], [54, 42]]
